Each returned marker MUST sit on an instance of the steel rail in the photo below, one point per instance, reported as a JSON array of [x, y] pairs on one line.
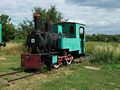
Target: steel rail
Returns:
[[10, 73], [23, 77]]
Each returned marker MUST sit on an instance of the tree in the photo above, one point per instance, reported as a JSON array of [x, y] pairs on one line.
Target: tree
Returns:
[[50, 14], [8, 29], [54, 15], [24, 28], [104, 38]]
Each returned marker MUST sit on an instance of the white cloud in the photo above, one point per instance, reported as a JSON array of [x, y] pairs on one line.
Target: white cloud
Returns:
[[97, 3], [97, 19]]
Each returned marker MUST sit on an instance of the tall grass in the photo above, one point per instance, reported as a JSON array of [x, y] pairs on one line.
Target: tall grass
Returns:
[[104, 53], [100, 52], [12, 48]]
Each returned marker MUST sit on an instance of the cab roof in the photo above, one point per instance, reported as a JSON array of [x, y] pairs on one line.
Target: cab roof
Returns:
[[70, 23]]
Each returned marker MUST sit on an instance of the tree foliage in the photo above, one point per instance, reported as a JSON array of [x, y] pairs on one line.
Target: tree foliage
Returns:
[[103, 38], [24, 28], [50, 14], [8, 29]]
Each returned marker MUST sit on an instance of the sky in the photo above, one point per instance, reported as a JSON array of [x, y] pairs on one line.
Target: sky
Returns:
[[100, 16]]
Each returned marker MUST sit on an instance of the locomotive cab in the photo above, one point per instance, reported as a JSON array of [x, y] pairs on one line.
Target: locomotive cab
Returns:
[[72, 36]]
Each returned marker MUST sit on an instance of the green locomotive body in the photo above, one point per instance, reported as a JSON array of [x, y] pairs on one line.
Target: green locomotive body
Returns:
[[72, 36], [0, 32], [1, 42]]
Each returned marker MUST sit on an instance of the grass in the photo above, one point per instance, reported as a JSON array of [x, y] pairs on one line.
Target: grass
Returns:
[[72, 77], [12, 48], [104, 53], [11, 63]]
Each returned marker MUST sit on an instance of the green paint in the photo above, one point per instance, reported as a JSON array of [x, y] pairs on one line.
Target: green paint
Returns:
[[82, 40], [0, 33], [57, 29], [70, 41], [54, 59], [72, 44]]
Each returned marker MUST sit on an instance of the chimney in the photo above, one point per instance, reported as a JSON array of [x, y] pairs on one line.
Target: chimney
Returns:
[[37, 21]]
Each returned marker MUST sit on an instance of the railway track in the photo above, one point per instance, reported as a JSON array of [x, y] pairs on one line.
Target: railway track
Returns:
[[18, 78], [30, 74], [10, 73]]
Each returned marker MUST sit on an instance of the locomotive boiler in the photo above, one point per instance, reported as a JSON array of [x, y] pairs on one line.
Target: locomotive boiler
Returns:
[[55, 46]]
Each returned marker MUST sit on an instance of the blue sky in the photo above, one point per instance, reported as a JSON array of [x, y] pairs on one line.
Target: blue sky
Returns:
[[100, 16]]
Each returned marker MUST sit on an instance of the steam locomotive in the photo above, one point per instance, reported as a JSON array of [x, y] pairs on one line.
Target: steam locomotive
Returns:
[[55, 46]]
